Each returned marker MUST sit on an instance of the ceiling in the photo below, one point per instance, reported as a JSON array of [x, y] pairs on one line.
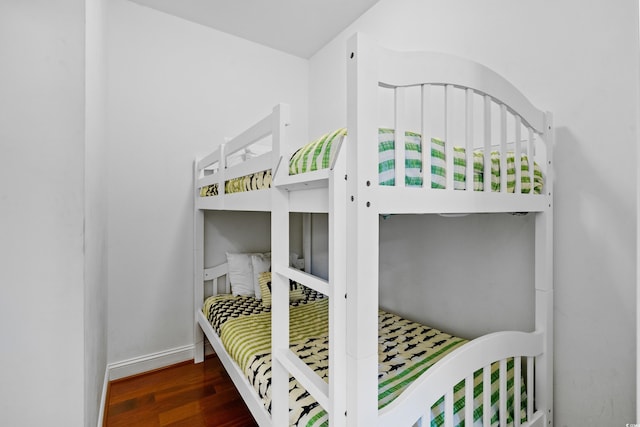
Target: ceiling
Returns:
[[298, 27]]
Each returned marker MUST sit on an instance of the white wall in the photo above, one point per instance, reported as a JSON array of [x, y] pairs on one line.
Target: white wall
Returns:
[[95, 211], [176, 89], [578, 60], [41, 213]]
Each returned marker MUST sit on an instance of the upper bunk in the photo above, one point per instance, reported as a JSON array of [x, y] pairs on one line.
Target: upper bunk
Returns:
[[397, 104]]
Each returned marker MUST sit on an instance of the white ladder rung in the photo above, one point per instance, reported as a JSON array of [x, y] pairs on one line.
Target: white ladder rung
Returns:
[[306, 377], [306, 279]]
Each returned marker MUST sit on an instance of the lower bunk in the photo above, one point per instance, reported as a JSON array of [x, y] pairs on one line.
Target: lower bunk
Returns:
[[425, 376]]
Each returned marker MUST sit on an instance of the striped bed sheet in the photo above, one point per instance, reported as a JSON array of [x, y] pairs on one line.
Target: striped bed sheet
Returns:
[[406, 350], [321, 153]]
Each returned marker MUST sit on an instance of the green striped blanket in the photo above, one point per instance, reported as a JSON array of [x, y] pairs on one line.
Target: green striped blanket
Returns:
[[321, 153], [406, 350]]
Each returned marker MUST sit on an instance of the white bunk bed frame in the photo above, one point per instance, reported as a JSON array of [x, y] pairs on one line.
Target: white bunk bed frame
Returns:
[[350, 194]]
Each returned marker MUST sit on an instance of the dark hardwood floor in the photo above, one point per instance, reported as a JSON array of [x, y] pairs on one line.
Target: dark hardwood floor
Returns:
[[181, 395]]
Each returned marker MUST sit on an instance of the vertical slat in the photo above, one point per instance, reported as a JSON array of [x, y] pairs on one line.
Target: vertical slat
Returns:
[[468, 400], [337, 300], [517, 386], [502, 399], [503, 148], [279, 283], [427, 134], [469, 140], [487, 177], [448, 408], [400, 129], [530, 156], [448, 135], [530, 388], [518, 155], [486, 396]]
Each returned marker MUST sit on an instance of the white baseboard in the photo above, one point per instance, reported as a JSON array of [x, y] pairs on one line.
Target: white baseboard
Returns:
[[139, 365], [103, 398]]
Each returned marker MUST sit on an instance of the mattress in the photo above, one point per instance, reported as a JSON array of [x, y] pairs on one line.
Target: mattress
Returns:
[[254, 181], [321, 153], [406, 350]]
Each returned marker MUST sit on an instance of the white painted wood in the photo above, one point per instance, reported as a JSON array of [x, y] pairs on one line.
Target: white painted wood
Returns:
[[486, 395], [469, 146], [149, 362], [251, 135], [517, 386], [468, 398], [362, 233], [400, 129], [487, 143], [338, 282], [306, 279], [531, 156], [256, 164], [518, 155], [448, 408], [427, 134], [530, 387], [246, 390], [502, 405], [307, 378], [448, 135], [411, 68], [351, 195], [503, 148], [456, 366]]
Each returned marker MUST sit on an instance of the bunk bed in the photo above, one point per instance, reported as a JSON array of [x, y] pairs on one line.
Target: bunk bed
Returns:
[[324, 347]]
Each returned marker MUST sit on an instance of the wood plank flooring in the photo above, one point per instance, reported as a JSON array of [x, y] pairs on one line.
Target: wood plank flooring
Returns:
[[186, 394]]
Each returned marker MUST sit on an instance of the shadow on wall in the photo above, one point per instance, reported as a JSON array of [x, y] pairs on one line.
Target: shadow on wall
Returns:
[[594, 274]]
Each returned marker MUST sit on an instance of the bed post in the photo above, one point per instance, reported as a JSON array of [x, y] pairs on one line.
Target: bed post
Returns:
[[279, 283], [362, 237], [198, 268], [544, 285]]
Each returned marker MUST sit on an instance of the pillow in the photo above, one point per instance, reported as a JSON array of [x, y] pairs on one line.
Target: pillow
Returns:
[[241, 274], [296, 290], [259, 263], [295, 261]]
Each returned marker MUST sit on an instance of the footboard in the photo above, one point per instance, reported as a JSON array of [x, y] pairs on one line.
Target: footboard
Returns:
[[458, 374]]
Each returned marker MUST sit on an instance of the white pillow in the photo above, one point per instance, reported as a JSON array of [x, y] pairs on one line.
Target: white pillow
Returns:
[[295, 262], [241, 274], [260, 263]]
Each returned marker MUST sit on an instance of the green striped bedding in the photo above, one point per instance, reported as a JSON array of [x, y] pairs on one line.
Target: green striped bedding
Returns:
[[321, 153], [406, 350]]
